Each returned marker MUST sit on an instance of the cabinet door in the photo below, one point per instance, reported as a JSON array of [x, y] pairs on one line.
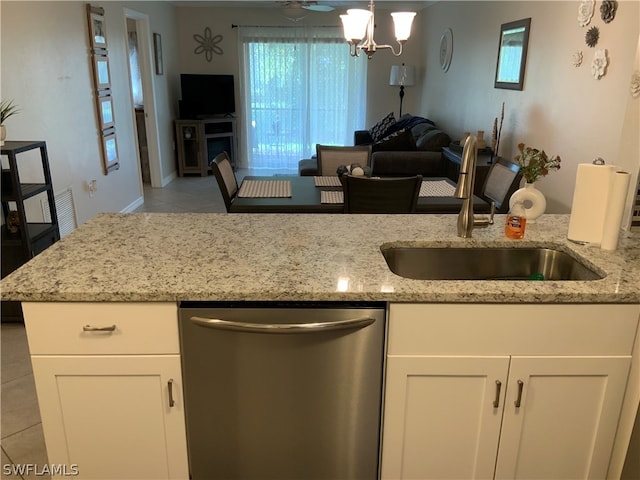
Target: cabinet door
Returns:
[[440, 421], [567, 418], [110, 415]]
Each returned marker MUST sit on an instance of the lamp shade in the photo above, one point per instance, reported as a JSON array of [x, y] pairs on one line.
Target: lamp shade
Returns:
[[402, 22], [402, 75], [355, 23]]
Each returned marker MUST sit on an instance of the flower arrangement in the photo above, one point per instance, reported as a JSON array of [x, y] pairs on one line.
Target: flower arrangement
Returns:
[[7, 108], [535, 163]]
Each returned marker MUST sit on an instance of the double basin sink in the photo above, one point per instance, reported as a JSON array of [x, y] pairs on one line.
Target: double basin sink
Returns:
[[485, 263]]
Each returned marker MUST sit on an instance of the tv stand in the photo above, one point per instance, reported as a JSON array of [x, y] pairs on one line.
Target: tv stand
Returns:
[[199, 141]]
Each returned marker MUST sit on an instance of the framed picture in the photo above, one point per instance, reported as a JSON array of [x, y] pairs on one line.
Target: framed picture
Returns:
[[101, 73], [105, 112], [97, 29], [157, 50], [110, 160]]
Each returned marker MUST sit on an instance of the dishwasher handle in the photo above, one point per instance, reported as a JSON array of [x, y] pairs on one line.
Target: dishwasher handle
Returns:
[[316, 327]]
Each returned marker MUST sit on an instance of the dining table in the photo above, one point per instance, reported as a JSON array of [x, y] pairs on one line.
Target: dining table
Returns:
[[309, 194]]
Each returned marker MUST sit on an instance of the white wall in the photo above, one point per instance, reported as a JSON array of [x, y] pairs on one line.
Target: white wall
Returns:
[[381, 98], [562, 109], [46, 70]]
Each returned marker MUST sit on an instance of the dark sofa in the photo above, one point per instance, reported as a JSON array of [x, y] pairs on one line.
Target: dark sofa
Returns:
[[409, 146]]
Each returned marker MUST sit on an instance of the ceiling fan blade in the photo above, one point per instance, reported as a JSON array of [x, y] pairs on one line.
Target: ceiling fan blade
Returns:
[[318, 8]]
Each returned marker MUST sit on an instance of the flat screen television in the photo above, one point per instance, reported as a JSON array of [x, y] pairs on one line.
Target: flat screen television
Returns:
[[206, 95]]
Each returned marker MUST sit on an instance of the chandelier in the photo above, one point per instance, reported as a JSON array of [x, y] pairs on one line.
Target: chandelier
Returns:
[[359, 24]]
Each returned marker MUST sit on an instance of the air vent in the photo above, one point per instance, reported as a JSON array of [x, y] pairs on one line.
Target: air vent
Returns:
[[65, 209]]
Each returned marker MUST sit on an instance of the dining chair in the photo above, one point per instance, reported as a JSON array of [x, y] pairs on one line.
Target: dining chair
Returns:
[[226, 178], [330, 157], [381, 195], [502, 180]]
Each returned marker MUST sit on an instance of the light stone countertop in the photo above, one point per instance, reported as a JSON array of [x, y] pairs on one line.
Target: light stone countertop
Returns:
[[170, 257]]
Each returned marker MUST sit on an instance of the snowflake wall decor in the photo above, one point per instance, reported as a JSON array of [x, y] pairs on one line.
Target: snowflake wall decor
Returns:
[[576, 58], [635, 84], [608, 10], [599, 64], [592, 37], [208, 44], [585, 12]]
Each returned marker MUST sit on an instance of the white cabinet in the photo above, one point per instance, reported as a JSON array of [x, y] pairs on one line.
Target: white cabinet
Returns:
[[439, 417], [456, 372], [109, 388], [567, 416]]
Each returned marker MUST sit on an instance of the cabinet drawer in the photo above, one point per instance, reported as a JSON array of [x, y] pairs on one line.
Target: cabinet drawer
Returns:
[[131, 328], [473, 329]]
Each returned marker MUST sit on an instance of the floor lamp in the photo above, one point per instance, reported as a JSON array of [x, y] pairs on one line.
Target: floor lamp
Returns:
[[403, 76]]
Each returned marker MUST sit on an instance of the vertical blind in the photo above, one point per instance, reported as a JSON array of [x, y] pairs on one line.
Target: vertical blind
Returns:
[[299, 87]]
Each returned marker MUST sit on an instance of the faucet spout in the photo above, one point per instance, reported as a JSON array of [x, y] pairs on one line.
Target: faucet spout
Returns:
[[466, 218]]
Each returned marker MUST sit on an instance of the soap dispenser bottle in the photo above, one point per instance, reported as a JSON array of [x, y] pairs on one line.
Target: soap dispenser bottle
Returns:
[[516, 222]]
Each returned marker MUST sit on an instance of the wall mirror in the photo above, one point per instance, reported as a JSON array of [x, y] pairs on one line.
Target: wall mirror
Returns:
[[512, 54]]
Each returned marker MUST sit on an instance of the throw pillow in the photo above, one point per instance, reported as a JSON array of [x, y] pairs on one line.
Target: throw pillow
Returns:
[[401, 140], [377, 131], [433, 141]]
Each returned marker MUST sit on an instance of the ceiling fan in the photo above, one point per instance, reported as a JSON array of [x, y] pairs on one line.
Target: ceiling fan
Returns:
[[296, 10]]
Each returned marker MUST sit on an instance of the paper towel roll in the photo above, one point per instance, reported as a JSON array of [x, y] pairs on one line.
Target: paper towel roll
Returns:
[[615, 209], [590, 197]]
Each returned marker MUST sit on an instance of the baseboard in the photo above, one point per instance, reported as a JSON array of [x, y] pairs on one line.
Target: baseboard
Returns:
[[169, 178], [133, 205]]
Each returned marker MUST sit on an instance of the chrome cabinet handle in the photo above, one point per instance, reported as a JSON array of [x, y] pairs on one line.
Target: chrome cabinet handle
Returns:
[[89, 328], [282, 327], [170, 388], [496, 402], [519, 399]]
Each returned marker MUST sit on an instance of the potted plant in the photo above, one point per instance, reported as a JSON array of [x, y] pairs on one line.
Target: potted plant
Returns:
[[7, 109], [534, 164]]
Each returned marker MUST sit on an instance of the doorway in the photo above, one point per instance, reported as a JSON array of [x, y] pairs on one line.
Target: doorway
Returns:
[[138, 43]]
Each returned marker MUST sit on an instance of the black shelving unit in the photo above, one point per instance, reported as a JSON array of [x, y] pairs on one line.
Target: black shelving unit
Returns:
[[31, 237]]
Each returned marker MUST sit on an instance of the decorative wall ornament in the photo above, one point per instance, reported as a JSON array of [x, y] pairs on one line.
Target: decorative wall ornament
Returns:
[[102, 88], [576, 58], [446, 49], [635, 84], [157, 53], [585, 12], [208, 44], [599, 64], [592, 37], [608, 10]]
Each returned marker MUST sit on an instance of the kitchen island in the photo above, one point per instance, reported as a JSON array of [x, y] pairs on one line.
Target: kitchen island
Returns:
[[177, 257], [133, 270]]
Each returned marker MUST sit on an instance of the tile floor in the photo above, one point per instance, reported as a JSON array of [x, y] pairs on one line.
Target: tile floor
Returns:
[[20, 427]]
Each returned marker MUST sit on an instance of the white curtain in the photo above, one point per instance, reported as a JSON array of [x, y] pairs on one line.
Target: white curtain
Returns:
[[134, 68], [299, 87]]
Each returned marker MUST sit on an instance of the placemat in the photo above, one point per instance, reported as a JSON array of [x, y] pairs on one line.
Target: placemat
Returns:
[[327, 181], [265, 189], [331, 197], [436, 188]]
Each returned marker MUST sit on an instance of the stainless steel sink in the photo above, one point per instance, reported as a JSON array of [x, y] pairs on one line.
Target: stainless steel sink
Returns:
[[479, 263]]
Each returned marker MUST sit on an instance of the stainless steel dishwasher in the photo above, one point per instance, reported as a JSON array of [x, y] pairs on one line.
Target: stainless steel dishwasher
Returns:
[[282, 390]]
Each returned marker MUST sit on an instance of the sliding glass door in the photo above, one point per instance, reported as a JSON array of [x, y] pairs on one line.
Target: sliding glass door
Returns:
[[299, 88]]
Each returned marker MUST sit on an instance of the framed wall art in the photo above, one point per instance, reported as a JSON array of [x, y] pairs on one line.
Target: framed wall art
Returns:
[[110, 152], [101, 73], [97, 29], [102, 88], [157, 51], [105, 113]]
